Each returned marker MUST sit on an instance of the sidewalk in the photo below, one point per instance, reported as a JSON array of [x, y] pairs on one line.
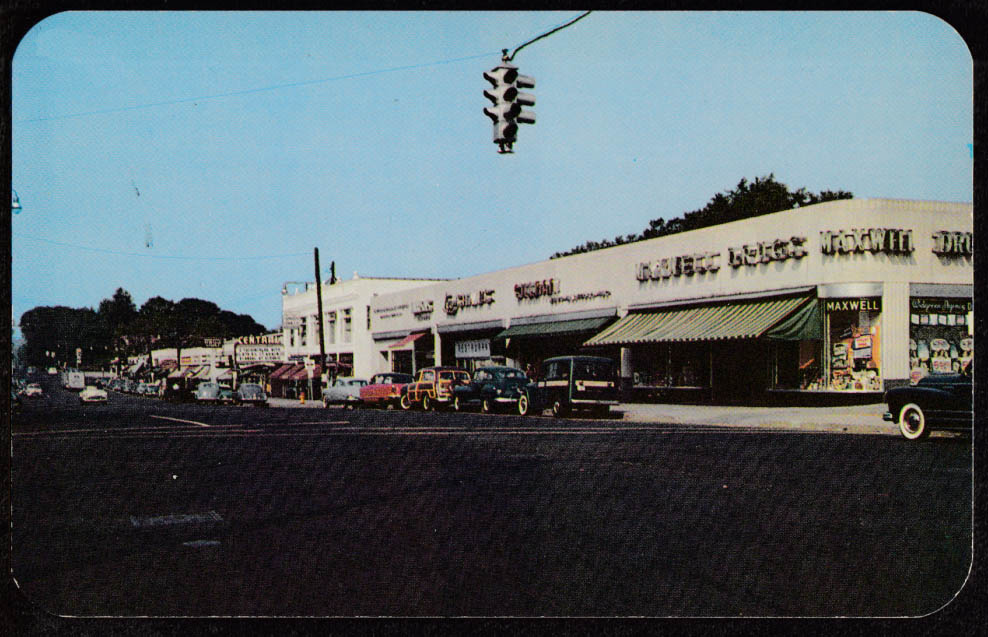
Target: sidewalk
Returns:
[[865, 419]]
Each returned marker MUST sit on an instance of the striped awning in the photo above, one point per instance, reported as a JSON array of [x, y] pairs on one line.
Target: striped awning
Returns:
[[554, 328], [408, 340], [705, 323]]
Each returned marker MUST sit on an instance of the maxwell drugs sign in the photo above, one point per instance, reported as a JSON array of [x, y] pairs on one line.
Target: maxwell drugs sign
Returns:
[[855, 305]]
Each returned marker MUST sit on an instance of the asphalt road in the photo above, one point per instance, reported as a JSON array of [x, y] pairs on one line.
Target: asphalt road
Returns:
[[144, 508]]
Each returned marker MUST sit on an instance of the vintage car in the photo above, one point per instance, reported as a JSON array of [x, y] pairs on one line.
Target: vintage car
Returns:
[[384, 389], [344, 390], [942, 401], [92, 394], [433, 387], [567, 383], [33, 390], [214, 393], [251, 394], [489, 388]]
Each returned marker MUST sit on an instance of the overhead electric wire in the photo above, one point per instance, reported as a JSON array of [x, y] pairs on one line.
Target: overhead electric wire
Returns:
[[249, 91], [547, 34], [159, 256], [349, 76]]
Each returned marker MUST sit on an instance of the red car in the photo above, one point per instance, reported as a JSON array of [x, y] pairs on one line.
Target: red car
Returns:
[[384, 389], [433, 387]]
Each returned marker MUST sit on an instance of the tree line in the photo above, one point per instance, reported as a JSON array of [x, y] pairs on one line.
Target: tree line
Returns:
[[118, 329], [746, 200]]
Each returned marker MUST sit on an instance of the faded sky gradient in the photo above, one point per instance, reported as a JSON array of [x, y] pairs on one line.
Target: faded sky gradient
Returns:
[[228, 135]]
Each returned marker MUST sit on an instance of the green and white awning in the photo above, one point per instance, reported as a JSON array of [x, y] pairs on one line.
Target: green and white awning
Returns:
[[705, 323]]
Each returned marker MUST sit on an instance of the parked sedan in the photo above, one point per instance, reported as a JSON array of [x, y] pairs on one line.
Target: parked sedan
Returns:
[[344, 390], [489, 388], [33, 390], [251, 394], [92, 394], [938, 400], [213, 393], [384, 389]]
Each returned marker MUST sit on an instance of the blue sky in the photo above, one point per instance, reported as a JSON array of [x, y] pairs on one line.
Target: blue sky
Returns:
[[243, 140]]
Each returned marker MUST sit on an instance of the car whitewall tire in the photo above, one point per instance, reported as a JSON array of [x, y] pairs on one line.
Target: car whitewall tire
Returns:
[[912, 422], [405, 403], [523, 405]]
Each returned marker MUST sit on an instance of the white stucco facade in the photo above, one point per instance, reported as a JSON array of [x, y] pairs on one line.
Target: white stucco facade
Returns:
[[885, 250]]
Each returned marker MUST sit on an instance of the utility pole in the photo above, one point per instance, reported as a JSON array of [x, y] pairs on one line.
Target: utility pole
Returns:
[[322, 341]]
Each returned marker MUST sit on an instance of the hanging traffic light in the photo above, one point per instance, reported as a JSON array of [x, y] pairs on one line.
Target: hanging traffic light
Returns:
[[507, 112]]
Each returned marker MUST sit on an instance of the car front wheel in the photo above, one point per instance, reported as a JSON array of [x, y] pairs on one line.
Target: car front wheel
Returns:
[[456, 404], [426, 403], [406, 402], [912, 422], [486, 406], [524, 406], [559, 409]]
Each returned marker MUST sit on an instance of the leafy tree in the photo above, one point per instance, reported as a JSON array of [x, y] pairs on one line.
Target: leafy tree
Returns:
[[748, 199]]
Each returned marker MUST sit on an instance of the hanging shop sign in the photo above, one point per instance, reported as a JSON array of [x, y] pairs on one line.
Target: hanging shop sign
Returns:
[[767, 251], [682, 265], [870, 304], [423, 309], [953, 244], [480, 348], [536, 289], [874, 240], [456, 302]]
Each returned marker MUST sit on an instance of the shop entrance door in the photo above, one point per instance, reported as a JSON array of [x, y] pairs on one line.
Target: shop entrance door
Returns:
[[739, 369]]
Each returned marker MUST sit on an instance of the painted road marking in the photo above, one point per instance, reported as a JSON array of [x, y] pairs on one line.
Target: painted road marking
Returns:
[[191, 422], [143, 521]]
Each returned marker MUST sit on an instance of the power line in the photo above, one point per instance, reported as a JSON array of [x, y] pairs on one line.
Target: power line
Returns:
[[159, 256], [183, 100], [545, 35]]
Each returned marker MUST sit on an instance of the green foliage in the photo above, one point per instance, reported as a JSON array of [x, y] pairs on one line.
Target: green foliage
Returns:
[[749, 199], [118, 329]]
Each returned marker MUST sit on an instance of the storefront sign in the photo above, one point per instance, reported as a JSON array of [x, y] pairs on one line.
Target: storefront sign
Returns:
[[260, 354], [875, 240], [297, 358], [391, 312], [683, 265], [582, 296], [940, 306], [292, 322], [423, 309], [953, 244], [536, 289], [261, 339], [454, 303], [480, 348], [855, 305], [767, 251], [212, 342]]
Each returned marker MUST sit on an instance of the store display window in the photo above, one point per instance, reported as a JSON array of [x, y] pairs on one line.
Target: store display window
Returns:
[[941, 337], [852, 346], [672, 365]]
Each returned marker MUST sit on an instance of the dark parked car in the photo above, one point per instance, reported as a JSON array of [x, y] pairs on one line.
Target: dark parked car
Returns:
[[214, 393], [251, 394], [489, 388], [940, 400], [384, 389], [566, 383]]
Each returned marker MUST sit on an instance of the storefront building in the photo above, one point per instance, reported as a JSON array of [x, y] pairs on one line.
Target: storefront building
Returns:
[[347, 324], [836, 301]]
